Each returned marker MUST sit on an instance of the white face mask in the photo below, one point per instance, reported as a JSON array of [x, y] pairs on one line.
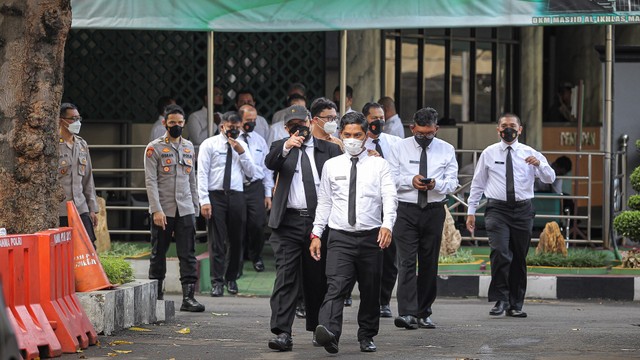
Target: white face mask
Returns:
[[353, 146], [330, 127], [74, 127]]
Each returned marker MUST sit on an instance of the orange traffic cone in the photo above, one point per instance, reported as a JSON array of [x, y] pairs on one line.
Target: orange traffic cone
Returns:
[[88, 271]]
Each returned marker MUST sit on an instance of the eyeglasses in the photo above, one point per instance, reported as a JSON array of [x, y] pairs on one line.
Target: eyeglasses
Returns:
[[75, 118], [328, 118]]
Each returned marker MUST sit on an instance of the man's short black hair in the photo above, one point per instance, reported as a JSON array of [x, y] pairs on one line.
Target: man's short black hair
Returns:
[[232, 117], [66, 106], [564, 162], [508, 114], [320, 104], [349, 93], [295, 96], [426, 117], [245, 91], [163, 102], [173, 109], [354, 117], [366, 109]]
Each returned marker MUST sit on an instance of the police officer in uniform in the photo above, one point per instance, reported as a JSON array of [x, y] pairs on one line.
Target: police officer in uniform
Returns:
[[74, 171], [173, 202]]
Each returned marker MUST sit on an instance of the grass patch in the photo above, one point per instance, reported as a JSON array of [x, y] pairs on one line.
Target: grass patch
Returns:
[[575, 258], [460, 257], [126, 249], [117, 269]]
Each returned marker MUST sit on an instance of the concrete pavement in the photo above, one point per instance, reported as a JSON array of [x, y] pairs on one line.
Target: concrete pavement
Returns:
[[234, 327]]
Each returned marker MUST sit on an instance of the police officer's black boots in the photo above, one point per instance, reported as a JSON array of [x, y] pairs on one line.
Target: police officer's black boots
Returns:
[[189, 303], [160, 291]]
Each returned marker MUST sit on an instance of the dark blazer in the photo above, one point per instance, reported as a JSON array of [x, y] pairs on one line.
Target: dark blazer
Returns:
[[284, 168]]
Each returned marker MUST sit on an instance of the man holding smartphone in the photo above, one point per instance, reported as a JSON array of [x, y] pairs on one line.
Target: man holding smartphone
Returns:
[[425, 170]]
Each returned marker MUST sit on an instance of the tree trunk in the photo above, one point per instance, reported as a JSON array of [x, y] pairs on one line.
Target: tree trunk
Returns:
[[32, 38]]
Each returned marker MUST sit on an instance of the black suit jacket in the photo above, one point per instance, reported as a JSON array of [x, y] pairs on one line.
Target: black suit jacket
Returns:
[[284, 168]]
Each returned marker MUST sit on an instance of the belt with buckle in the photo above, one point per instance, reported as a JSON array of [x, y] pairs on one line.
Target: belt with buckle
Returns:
[[299, 212]]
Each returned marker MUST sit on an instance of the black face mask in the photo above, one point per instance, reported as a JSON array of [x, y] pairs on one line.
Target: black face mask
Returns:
[[175, 131], [302, 131], [376, 127], [423, 141], [249, 126], [233, 133], [509, 134]]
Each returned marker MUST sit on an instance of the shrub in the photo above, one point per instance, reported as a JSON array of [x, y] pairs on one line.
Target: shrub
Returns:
[[634, 202], [124, 249], [628, 224], [117, 269], [635, 179], [459, 257], [575, 258]]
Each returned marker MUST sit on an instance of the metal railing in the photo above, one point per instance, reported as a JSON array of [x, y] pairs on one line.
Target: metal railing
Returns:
[[458, 196]]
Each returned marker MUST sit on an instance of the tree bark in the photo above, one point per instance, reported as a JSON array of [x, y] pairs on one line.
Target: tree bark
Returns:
[[32, 39]]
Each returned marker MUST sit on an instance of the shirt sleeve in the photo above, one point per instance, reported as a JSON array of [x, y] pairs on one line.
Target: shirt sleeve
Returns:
[[151, 179], [204, 168], [478, 184], [246, 161], [323, 209], [544, 171], [389, 196], [267, 181], [449, 183], [88, 186]]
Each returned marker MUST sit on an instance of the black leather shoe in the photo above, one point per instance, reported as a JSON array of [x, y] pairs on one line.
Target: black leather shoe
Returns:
[[499, 308], [282, 342], [217, 290], [314, 341], [348, 301], [367, 345], [385, 311], [426, 323], [407, 321], [516, 313], [189, 303], [258, 265], [232, 287], [326, 338]]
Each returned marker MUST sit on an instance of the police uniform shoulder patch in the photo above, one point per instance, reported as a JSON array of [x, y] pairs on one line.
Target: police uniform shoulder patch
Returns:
[[149, 152]]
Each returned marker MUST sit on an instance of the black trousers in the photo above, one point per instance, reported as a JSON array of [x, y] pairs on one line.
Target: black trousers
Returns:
[[224, 232], [290, 244], [256, 216], [183, 229], [86, 221], [418, 234], [351, 257], [389, 273], [509, 230]]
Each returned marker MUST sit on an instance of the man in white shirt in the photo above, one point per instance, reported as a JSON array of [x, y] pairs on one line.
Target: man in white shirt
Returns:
[[198, 122], [245, 97], [382, 143], [348, 98], [158, 129], [426, 170], [278, 130], [257, 190], [393, 124], [223, 165], [355, 190], [505, 173]]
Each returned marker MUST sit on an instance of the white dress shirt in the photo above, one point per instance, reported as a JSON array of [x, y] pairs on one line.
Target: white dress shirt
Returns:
[[297, 197], [259, 150], [212, 159], [441, 166], [490, 176], [375, 193], [387, 142], [277, 132], [262, 127], [393, 126], [157, 129], [198, 126]]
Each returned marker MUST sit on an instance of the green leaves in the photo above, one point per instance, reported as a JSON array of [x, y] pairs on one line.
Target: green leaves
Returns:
[[575, 258]]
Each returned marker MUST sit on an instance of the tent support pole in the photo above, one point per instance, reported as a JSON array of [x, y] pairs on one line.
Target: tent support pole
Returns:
[[343, 71], [608, 118], [210, 74]]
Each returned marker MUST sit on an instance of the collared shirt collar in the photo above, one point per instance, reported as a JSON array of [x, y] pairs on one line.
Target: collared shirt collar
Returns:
[[504, 145]]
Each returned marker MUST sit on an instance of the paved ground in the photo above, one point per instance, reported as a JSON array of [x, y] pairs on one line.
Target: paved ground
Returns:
[[238, 328]]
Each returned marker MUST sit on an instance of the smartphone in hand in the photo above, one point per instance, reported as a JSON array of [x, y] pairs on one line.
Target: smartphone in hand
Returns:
[[426, 180]]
